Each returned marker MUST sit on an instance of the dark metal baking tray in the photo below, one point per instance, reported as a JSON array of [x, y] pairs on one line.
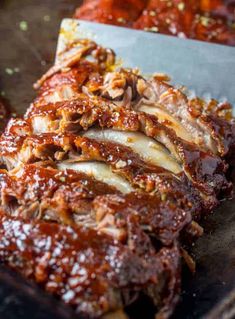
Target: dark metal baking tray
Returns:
[[32, 51]]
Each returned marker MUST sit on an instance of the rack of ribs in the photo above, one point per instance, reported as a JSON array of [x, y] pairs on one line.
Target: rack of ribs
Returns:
[[105, 179], [206, 20]]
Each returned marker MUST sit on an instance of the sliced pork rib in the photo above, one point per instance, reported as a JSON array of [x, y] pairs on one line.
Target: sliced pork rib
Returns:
[[71, 197], [105, 177], [204, 169]]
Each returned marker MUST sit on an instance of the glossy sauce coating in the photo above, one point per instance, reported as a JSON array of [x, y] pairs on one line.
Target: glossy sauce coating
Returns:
[[53, 195], [80, 266], [205, 20]]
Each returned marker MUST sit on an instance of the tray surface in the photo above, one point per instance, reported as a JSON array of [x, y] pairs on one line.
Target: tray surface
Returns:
[[32, 51]]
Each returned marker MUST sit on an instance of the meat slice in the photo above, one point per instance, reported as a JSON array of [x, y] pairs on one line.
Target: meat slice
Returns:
[[201, 124], [87, 270], [160, 219], [72, 197], [33, 191], [140, 174]]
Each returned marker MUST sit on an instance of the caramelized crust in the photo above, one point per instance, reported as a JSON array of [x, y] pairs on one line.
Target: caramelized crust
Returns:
[[87, 270], [160, 218], [36, 192]]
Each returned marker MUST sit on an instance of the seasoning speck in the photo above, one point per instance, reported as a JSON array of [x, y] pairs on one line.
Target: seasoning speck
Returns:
[[120, 164], [181, 6], [23, 25], [9, 71], [47, 18], [152, 13], [152, 29], [205, 21], [163, 197], [121, 20]]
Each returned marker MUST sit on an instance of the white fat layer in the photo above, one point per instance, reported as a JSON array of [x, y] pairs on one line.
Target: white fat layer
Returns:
[[101, 172], [200, 132], [62, 93], [148, 149], [44, 124], [171, 122], [40, 124]]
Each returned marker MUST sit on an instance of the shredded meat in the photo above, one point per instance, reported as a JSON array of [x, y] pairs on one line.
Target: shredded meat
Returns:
[[105, 178]]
